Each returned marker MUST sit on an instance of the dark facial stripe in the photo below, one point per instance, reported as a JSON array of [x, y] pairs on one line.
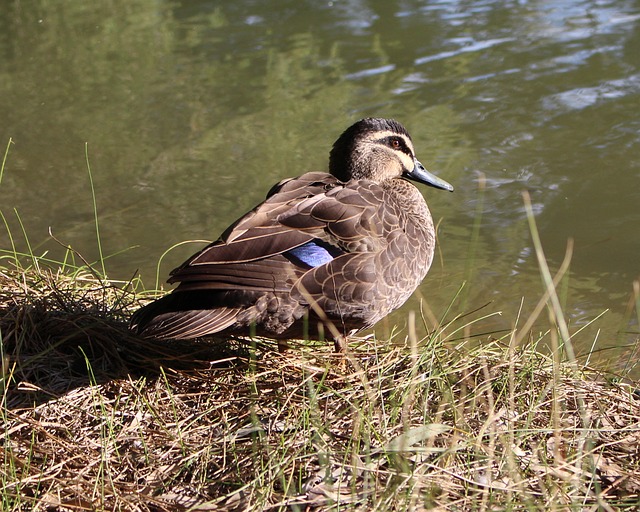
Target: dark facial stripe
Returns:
[[397, 143]]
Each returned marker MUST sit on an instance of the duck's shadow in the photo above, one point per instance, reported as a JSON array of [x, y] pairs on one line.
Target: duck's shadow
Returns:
[[48, 350]]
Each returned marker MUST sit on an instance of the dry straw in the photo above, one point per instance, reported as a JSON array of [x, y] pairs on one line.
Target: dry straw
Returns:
[[96, 419]]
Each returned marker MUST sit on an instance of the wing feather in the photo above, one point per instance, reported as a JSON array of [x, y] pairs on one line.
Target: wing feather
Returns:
[[252, 254]]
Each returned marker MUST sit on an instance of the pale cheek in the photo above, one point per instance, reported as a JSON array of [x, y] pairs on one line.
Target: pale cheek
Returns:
[[407, 162]]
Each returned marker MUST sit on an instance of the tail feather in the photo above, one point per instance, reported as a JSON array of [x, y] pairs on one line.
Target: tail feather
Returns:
[[174, 317]]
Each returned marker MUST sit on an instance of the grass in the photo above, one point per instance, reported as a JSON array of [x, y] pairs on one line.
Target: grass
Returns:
[[95, 418]]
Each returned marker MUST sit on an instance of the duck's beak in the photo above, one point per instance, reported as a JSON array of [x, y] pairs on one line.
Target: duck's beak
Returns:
[[421, 175]]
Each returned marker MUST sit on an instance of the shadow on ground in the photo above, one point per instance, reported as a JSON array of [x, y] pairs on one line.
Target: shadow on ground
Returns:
[[54, 340]]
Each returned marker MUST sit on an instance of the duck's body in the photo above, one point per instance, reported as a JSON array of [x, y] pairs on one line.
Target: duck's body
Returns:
[[334, 252]]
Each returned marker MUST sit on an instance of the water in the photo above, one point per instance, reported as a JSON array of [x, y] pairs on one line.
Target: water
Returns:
[[190, 111]]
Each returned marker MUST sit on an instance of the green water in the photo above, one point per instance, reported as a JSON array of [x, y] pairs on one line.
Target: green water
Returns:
[[192, 110]]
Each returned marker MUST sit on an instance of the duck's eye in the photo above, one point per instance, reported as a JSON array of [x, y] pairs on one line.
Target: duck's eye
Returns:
[[395, 143]]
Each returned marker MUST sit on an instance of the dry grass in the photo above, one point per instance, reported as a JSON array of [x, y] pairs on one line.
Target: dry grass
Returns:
[[97, 419]]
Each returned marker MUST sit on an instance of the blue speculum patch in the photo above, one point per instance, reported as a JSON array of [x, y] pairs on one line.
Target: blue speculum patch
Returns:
[[314, 253]]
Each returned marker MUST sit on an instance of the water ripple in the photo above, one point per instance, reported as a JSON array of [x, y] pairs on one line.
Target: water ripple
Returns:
[[473, 47], [370, 72], [583, 97]]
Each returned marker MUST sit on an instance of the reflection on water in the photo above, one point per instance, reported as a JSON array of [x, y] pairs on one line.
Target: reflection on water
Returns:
[[192, 110]]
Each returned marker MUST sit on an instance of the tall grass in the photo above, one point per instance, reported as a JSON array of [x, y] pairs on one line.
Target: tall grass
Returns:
[[95, 211], [4, 159]]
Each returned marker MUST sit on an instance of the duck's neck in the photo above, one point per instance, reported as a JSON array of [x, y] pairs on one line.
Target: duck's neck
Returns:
[[411, 201]]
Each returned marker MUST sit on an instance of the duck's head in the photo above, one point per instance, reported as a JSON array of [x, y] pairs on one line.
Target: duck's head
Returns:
[[379, 149]]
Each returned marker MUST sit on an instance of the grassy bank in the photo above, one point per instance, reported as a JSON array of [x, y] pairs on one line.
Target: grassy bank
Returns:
[[97, 419]]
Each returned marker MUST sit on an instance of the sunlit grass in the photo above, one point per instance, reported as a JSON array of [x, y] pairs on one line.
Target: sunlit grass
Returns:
[[95, 418]]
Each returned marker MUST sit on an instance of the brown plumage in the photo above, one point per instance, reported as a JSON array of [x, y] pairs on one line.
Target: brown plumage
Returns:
[[333, 252]]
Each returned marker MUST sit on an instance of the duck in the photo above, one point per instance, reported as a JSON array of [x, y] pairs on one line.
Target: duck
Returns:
[[325, 255]]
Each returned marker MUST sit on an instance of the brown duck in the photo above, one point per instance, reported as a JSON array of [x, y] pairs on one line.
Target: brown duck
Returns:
[[324, 252]]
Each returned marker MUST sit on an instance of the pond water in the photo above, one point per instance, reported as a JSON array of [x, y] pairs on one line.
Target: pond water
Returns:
[[190, 110]]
